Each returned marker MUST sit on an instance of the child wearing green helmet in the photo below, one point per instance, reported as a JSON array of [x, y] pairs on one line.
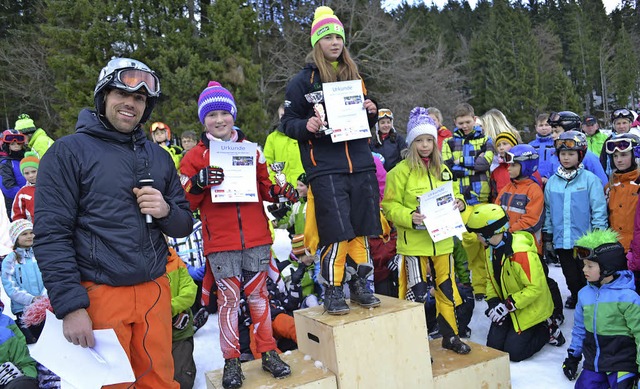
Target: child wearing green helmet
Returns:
[[517, 292], [606, 328]]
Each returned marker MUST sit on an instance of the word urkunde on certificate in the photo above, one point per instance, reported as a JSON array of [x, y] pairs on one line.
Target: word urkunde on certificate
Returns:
[[344, 101], [238, 161]]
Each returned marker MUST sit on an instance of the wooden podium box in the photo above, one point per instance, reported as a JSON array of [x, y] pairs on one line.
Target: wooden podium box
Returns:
[[384, 347], [484, 367], [304, 374]]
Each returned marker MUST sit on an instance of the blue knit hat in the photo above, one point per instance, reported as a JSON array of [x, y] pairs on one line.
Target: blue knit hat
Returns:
[[214, 98]]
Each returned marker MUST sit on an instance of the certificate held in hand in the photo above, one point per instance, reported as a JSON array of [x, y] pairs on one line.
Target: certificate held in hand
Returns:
[[346, 114]]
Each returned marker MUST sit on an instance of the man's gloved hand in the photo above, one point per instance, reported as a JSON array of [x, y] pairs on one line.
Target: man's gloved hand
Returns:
[[8, 372], [196, 273], [570, 365], [206, 178], [181, 320], [287, 191]]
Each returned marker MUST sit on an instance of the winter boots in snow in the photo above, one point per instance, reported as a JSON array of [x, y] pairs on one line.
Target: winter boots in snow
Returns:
[[232, 375], [272, 363], [334, 300]]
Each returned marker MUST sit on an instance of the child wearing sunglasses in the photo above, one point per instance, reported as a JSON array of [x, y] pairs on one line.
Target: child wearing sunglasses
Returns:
[[387, 141], [606, 329], [420, 172], [13, 144], [574, 204]]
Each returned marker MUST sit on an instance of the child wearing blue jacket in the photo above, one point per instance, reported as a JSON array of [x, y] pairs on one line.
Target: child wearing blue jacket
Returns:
[[543, 145], [574, 204], [21, 278], [606, 327]]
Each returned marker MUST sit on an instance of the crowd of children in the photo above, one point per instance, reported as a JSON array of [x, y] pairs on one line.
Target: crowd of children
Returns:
[[352, 213]]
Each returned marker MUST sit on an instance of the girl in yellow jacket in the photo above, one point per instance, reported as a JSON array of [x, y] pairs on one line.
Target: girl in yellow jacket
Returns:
[[421, 171]]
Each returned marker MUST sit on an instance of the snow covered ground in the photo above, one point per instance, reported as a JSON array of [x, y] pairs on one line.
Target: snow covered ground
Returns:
[[543, 370]]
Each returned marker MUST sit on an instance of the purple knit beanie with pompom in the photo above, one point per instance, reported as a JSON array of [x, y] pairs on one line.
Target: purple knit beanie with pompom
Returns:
[[214, 98], [420, 123]]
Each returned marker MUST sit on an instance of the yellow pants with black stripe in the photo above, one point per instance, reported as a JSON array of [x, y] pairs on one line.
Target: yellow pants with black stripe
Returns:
[[333, 258], [414, 269]]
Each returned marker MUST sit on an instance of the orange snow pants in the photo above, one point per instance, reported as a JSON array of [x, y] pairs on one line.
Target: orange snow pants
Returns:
[[127, 310]]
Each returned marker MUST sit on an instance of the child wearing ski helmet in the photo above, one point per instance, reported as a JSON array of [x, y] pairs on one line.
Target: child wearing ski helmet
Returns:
[[568, 121], [622, 190], [606, 329], [621, 120], [517, 293], [574, 193], [523, 202]]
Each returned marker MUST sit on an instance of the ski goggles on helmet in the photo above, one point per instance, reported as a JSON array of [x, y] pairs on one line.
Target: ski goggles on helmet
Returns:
[[156, 126], [571, 144], [606, 249], [554, 119], [10, 138], [511, 158], [622, 145], [131, 80], [621, 113], [385, 113]]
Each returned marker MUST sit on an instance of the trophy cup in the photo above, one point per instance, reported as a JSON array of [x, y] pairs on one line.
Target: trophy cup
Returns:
[[281, 180], [316, 99]]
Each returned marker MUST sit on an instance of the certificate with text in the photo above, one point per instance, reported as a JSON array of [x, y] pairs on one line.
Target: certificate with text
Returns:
[[443, 219], [238, 161], [346, 115]]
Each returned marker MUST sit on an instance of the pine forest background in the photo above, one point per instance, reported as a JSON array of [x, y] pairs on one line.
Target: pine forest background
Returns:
[[522, 57]]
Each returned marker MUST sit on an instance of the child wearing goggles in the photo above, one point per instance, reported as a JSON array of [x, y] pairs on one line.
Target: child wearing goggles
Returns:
[[622, 189], [523, 202], [607, 319], [574, 193], [11, 178], [387, 141]]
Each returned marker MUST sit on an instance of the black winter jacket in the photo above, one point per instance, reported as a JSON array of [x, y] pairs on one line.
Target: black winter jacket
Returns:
[[88, 224], [319, 154]]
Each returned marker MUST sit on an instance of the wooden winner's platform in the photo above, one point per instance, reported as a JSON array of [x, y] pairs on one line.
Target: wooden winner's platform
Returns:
[[304, 374], [384, 347], [483, 367]]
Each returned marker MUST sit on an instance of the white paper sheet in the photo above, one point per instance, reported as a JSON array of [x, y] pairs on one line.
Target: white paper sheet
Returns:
[[80, 367], [238, 160], [443, 219], [346, 115]]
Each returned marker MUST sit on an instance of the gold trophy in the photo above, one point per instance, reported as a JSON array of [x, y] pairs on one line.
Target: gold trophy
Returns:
[[316, 98], [281, 179]]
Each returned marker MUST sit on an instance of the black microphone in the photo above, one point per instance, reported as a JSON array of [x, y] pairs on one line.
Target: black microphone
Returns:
[[147, 182]]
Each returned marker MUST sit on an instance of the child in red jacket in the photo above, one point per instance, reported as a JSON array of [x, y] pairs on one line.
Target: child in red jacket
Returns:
[[24, 201], [237, 239]]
